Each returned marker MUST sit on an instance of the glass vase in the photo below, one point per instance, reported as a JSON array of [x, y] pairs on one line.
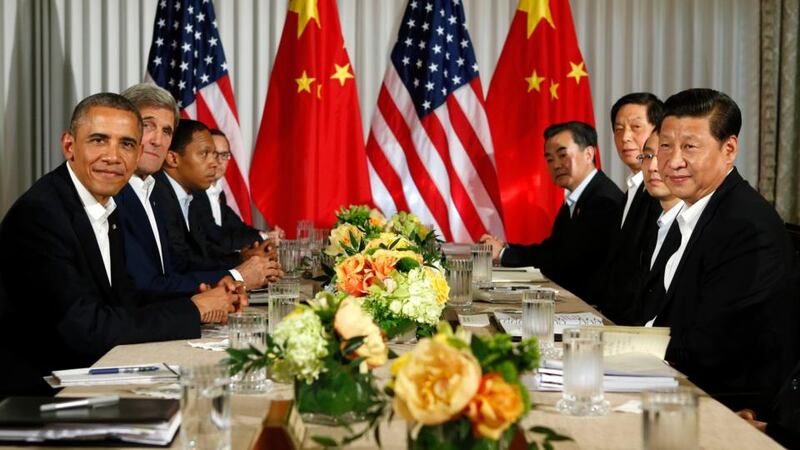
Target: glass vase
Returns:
[[339, 397], [458, 434]]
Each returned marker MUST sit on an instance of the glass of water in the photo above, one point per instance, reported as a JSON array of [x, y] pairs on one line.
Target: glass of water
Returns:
[[459, 278], [290, 256], [538, 313], [248, 328], [205, 407], [482, 265], [282, 299], [583, 374], [670, 419]]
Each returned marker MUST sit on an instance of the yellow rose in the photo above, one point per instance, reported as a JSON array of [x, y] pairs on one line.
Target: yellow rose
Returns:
[[435, 383], [439, 283], [388, 239], [351, 321], [495, 407], [341, 235], [376, 218], [354, 275]]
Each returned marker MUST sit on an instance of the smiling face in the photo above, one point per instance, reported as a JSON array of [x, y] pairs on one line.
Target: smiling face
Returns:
[[692, 162], [103, 150], [159, 126], [196, 167], [631, 129], [567, 163]]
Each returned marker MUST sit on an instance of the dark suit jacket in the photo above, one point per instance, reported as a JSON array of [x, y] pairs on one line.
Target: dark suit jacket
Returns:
[[619, 285], [573, 253], [783, 424], [191, 250], [61, 310], [732, 305], [650, 299], [141, 253], [233, 234]]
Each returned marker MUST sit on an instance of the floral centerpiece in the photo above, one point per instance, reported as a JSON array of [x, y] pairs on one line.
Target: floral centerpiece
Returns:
[[393, 266], [327, 350], [464, 392]]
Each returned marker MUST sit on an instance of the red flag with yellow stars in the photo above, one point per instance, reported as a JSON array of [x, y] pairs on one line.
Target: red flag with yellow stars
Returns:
[[540, 79], [309, 156]]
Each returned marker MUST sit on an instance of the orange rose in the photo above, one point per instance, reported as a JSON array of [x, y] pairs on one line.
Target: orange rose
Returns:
[[351, 321], [354, 275], [383, 261], [495, 407]]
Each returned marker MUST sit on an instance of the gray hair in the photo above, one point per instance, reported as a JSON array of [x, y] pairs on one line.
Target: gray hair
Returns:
[[107, 100], [147, 94]]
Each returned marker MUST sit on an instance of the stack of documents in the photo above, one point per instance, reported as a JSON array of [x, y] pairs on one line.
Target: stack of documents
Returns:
[[627, 372], [511, 322], [138, 374], [131, 420], [517, 275]]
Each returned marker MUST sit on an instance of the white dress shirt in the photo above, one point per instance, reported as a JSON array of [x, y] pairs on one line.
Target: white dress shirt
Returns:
[[575, 195], [634, 182], [664, 223], [184, 198], [213, 193], [687, 220], [143, 190], [98, 217]]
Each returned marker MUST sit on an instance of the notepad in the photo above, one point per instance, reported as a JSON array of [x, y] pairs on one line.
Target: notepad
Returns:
[[132, 420], [81, 377], [511, 322]]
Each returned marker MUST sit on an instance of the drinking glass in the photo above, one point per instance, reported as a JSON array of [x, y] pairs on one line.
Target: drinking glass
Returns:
[[459, 278], [289, 255], [248, 328], [481, 265], [583, 374], [205, 407], [283, 298], [669, 418], [538, 312]]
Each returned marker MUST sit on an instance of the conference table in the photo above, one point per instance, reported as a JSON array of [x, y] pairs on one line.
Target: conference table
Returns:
[[719, 428]]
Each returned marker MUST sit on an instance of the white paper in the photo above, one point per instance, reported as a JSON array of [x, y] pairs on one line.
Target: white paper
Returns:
[[517, 275], [512, 322], [474, 320], [81, 377], [214, 346]]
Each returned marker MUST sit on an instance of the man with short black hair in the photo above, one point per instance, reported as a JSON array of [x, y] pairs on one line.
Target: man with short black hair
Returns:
[[570, 255], [68, 251], [731, 292]]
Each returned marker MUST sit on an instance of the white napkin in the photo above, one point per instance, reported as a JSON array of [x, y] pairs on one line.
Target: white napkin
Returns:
[[215, 346]]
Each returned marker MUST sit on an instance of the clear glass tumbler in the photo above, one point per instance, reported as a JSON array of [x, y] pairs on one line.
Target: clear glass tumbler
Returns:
[[248, 328], [538, 313], [205, 407], [670, 419], [583, 374], [481, 265], [290, 257], [283, 298], [459, 278]]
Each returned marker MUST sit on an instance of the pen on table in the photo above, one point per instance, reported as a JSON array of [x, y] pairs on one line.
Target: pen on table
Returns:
[[112, 370], [82, 403]]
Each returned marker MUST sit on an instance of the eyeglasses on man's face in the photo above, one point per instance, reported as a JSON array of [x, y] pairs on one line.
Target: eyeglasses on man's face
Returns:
[[645, 156], [223, 156]]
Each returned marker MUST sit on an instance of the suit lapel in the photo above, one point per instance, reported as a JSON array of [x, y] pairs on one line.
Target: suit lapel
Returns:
[[141, 224], [116, 245]]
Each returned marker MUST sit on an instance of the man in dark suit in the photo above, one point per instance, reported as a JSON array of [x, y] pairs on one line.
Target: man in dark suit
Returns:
[[189, 169], [69, 297], [731, 292], [633, 119], [589, 215], [147, 250]]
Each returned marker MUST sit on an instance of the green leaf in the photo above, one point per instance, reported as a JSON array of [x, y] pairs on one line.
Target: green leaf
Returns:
[[541, 430], [533, 445], [406, 264], [546, 445], [558, 437], [324, 441], [352, 344]]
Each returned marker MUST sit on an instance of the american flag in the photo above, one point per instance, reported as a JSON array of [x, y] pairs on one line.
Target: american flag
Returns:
[[429, 149], [187, 59]]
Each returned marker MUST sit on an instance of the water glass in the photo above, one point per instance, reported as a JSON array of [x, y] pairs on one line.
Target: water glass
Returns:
[[304, 229], [205, 407], [282, 299], [482, 265], [245, 329], [538, 313], [583, 374], [670, 419], [459, 278], [290, 257]]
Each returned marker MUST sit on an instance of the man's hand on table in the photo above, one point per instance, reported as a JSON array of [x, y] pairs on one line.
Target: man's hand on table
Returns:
[[496, 243], [214, 304], [750, 416]]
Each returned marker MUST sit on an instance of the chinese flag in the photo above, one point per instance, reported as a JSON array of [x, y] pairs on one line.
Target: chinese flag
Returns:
[[540, 79], [309, 156]]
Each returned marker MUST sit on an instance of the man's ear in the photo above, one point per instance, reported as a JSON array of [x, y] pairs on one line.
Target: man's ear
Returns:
[[589, 152], [172, 159], [68, 145], [730, 148]]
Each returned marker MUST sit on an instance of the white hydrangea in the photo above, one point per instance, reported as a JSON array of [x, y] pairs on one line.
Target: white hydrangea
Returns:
[[421, 304], [302, 336]]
